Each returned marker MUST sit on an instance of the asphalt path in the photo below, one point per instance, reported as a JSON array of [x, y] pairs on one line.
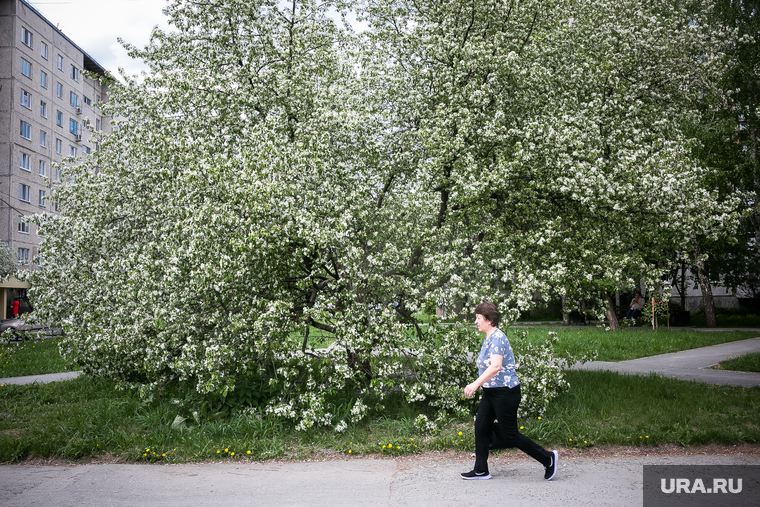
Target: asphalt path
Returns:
[[694, 364], [414, 481]]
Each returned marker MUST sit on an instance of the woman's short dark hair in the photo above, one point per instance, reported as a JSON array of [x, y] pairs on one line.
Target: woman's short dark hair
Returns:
[[489, 311]]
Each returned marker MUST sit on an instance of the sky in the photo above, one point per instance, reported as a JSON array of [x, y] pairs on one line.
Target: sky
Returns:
[[94, 26]]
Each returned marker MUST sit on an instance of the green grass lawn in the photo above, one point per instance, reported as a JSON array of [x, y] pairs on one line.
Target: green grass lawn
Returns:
[[634, 342], [85, 417], [746, 362], [89, 417], [34, 357]]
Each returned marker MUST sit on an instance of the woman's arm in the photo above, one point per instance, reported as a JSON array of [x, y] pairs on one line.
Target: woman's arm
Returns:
[[492, 370]]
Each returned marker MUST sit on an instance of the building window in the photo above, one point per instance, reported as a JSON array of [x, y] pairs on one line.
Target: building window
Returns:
[[26, 37], [43, 79], [97, 124], [72, 151], [59, 118], [86, 100], [59, 90], [43, 109], [60, 62], [74, 73], [43, 50], [23, 225], [41, 200], [43, 138], [25, 161], [23, 255], [43, 168], [26, 68], [23, 192], [57, 178], [73, 126], [58, 146], [26, 99], [74, 98], [86, 150], [26, 130]]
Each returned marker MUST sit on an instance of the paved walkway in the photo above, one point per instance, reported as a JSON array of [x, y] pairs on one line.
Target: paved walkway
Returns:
[[415, 481], [689, 364]]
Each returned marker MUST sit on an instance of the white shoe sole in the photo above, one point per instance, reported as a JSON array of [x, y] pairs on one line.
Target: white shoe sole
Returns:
[[556, 464]]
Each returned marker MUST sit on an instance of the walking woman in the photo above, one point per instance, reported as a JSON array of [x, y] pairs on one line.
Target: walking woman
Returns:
[[500, 399]]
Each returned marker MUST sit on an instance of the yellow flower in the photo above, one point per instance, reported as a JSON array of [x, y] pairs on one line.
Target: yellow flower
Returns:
[[163, 455], [226, 450], [522, 427], [585, 442], [570, 439], [397, 447], [349, 451], [411, 440], [460, 433], [539, 418], [249, 452], [232, 454], [647, 436], [218, 452]]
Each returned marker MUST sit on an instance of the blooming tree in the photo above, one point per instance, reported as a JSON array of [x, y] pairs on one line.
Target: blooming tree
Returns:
[[274, 175]]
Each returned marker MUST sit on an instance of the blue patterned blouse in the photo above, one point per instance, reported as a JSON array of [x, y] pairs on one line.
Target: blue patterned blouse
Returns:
[[498, 344]]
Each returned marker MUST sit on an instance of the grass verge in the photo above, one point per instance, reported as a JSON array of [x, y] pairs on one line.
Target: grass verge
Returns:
[[632, 343], [86, 418], [34, 357], [747, 362]]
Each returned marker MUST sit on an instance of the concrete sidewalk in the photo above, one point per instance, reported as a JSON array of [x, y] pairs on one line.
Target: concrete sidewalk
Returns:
[[690, 364], [414, 481]]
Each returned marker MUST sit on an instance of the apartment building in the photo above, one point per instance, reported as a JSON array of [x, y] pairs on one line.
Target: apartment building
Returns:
[[47, 106]]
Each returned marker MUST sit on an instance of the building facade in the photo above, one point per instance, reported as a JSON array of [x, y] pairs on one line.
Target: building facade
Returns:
[[47, 108]]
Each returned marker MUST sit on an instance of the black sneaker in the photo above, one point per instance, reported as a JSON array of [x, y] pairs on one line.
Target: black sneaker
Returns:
[[472, 475], [551, 470]]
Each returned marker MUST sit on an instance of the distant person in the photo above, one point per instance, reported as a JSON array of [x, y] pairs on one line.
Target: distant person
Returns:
[[634, 310], [15, 309], [500, 400]]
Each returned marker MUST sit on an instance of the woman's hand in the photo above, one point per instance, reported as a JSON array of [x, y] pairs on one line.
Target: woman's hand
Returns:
[[470, 389]]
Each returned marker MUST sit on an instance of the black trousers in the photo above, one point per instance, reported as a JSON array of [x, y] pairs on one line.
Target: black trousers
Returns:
[[501, 403]]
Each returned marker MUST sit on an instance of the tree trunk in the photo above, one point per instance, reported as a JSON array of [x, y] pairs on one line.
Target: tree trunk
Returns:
[[704, 285], [614, 325], [565, 313]]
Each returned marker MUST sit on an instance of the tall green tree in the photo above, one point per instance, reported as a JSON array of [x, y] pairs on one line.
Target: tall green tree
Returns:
[[728, 134]]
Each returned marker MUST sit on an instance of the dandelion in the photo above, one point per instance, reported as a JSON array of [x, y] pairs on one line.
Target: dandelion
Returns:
[[570, 439], [460, 433], [647, 436], [163, 455], [226, 450], [522, 427], [218, 452], [539, 418], [232, 454], [349, 451], [249, 452]]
